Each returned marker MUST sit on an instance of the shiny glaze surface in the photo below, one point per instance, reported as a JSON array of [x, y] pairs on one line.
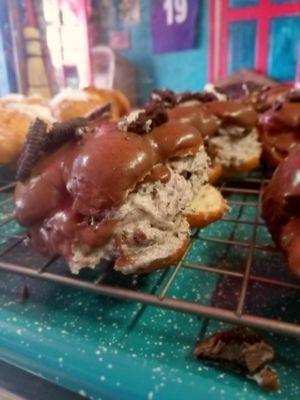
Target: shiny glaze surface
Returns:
[[234, 113], [197, 116]]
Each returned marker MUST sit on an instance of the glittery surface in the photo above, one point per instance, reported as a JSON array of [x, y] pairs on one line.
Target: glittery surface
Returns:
[[107, 349]]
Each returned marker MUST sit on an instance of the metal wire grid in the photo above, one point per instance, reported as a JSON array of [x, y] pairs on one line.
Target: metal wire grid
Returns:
[[238, 316]]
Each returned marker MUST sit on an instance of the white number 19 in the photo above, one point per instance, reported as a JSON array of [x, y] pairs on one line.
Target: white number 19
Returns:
[[176, 11]]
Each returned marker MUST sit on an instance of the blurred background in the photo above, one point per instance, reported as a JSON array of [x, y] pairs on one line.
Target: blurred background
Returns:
[[136, 45]]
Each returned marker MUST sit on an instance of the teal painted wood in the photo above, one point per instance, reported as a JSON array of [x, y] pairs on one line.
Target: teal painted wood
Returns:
[[111, 349], [284, 45]]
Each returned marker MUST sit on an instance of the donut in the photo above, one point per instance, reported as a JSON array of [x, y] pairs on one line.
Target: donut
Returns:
[[279, 128], [280, 208], [119, 191]]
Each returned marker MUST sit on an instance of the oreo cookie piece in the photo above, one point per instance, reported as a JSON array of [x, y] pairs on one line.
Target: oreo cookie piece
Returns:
[[144, 120], [62, 132], [40, 142], [32, 149], [166, 98]]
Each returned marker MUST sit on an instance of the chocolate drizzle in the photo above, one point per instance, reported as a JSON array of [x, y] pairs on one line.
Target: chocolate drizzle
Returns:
[[32, 149]]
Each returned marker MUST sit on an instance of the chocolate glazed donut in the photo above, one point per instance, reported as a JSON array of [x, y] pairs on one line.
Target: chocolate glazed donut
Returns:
[[89, 175], [281, 208], [280, 128]]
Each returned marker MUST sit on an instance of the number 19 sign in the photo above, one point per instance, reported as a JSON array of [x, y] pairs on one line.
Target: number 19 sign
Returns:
[[174, 24]]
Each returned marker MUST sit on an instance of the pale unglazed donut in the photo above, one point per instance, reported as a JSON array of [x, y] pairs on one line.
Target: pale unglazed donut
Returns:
[[77, 103], [15, 119]]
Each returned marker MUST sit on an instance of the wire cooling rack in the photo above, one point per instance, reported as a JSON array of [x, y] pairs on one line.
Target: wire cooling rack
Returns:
[[252, 286]]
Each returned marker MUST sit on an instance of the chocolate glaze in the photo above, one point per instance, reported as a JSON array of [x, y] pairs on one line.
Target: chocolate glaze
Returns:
[[197, 116], [281, 205], [280, 130], [71, 193], [239, 90], [234, 113], [209, 117]]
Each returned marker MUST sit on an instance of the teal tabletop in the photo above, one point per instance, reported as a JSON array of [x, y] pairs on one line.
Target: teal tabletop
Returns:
[[105, 348]]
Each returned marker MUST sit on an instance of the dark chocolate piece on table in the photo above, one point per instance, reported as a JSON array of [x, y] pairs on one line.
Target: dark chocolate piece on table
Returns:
[[241, 350], [32, 149], [267, 378], [40, 142]]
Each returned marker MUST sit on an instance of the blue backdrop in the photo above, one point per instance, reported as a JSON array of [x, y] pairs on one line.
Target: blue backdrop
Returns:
[[179, 70]]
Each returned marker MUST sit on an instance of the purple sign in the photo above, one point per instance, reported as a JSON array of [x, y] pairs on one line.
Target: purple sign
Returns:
[[173, 24]]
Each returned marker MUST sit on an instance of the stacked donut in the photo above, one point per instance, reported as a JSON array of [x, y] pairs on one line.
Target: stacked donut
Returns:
[[128, 188], [281, 208]]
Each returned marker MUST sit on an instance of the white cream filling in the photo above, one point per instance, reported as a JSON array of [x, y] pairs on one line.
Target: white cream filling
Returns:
[[197, 165], [235, 150]]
